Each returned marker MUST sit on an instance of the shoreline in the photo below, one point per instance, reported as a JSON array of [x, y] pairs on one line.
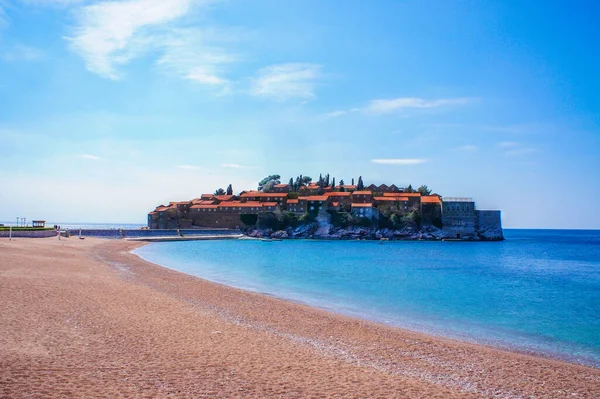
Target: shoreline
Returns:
[[499, 344], [177, 323]]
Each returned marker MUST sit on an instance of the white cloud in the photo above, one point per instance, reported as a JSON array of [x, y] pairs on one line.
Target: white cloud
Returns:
[[287, 81], [382, 107], [233, 165], [60, 3], [90, 157], [520, 151], [507, 144], [110, 34], [187, 54], [189, 167], [468, 147], [21, 53], [399, 161], [393, 105]]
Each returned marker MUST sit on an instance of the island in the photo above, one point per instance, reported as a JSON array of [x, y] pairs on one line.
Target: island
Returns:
[[303, 208]]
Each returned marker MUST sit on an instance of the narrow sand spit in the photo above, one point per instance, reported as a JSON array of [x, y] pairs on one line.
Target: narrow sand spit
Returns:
[[85, 318]]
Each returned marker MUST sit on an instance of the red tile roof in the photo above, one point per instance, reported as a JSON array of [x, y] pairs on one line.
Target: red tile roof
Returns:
[[292, 201], [391, 199], [224, 197], [338, 194], [361, 193], [335, 203], [347, 186], [281, 185], [179, 202], [203, 207], [161, 208], [261, 194], [401, 194], [270, 203], [207, 196], [302, 198], [317, 198], [238, 204], [362, 205], [431, 199]]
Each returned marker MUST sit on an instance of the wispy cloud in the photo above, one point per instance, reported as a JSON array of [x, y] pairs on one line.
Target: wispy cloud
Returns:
[[60, 3], [467, 148], [395, 105], [507, 144], [521, 151], [284, 82], [90, 157], [110, 34], [399, 161], [512, 148], [21, 53], [234, 166], [187, 54], [189, 167]]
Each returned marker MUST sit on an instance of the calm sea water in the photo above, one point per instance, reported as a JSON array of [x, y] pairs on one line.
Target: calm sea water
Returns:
[[538, 291]]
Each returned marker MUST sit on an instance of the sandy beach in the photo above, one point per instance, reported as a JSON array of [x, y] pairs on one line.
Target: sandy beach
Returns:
[[86, 318]]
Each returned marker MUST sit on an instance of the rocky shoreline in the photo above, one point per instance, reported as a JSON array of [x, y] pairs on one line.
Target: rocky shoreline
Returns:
[[318, 230]]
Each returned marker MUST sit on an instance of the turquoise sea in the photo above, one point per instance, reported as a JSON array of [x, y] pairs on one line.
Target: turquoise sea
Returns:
[[538, 291]]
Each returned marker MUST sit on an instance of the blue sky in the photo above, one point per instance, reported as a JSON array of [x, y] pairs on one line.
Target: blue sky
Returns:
[[108, 109]]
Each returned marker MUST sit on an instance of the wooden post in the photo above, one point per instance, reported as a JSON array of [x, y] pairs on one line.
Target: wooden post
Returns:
[[10, 233]]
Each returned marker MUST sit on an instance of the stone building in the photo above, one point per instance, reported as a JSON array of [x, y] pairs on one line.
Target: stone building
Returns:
[[459, 218], [367, 211]]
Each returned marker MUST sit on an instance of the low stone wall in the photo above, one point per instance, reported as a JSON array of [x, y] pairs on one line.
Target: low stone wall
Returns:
[[29, 234], [139, 233]]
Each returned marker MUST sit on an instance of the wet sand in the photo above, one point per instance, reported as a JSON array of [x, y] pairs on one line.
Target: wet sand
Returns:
[[85, 318]]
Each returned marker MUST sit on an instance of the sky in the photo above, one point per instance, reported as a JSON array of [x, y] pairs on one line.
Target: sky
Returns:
[[110, 108]]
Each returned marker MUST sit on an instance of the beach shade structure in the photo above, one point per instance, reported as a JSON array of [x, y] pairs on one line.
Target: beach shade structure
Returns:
[[40, 224]]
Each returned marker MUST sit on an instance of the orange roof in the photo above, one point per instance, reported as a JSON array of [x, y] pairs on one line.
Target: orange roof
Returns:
[[303, 198], [239, 204], [292, 201], [338, 194], [401, 194], [204, 202], [153, 213], [281, 185], [270, 203], [335, 203], [224, 197], [206, 196], [347, 186], [362, 205], [317, 198], [179, 202], [391, 198], [203, 206], [161, 208], [431, 199], [261, 194], [361, 193]]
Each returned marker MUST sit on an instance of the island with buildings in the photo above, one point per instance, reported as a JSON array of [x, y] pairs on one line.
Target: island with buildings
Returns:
[[306, 209]]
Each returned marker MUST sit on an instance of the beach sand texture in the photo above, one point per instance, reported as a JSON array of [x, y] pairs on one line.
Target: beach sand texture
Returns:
[[85, 318]]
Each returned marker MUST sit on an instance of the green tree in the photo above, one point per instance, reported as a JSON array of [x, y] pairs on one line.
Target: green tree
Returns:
[[220, 192], [327, 180], [352, 181], [306, 180], [291, 183], [273, 179], [342, 188], [409, 189], [229, 190], [360, 186], [321, 181], [424, 190], [333, 184]]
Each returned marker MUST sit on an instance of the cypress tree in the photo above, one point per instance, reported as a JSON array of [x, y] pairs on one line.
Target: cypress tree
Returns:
[[360, 186], [229, 190]]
